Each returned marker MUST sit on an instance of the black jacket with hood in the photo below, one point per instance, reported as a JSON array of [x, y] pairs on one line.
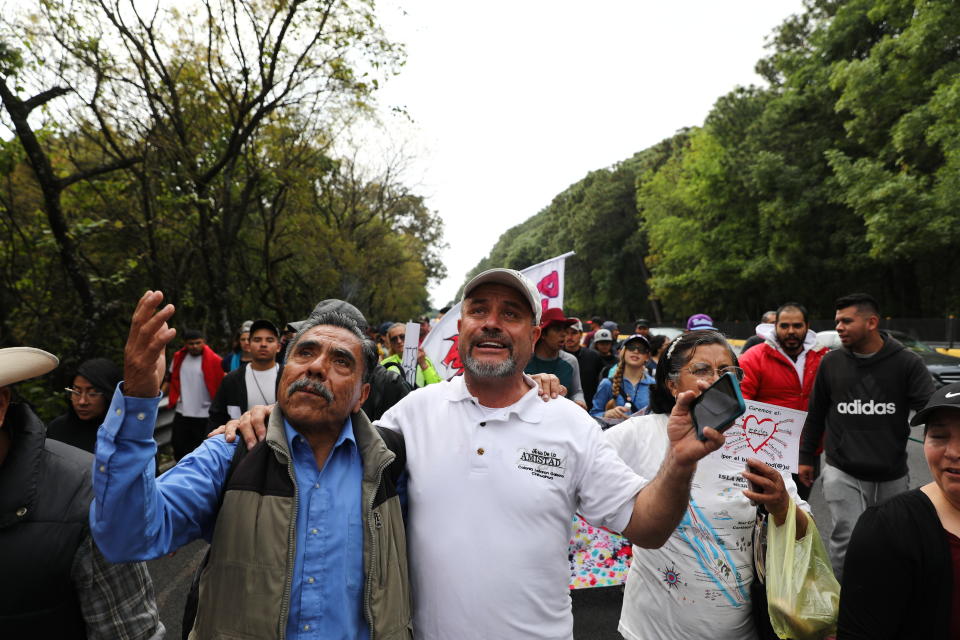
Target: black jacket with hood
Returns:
[[104, 376], [864, 405], [232, 393]]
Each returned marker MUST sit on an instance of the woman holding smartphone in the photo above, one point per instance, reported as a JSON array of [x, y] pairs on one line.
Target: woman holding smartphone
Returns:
[[698, 584]]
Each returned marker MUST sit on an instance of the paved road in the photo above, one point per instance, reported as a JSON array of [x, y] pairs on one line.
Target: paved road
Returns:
[[171, 582], [596, 611]]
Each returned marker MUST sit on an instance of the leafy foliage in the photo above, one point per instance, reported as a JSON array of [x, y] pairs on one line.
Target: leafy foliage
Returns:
[[840, 175], [189, 149]]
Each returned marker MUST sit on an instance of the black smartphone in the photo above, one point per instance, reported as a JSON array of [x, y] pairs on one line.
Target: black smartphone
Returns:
[[719, 406], [750, 485]]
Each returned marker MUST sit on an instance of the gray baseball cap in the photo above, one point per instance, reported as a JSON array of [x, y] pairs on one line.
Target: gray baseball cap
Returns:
[[512, 279], [334, 305]]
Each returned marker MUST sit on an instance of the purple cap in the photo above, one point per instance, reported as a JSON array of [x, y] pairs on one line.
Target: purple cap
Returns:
[[700, 321]]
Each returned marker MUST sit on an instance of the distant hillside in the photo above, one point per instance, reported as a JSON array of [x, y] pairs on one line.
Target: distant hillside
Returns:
[[841, 175]]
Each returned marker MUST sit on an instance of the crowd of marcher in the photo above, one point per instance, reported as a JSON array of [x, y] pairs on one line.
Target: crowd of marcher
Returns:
[[348, 498]]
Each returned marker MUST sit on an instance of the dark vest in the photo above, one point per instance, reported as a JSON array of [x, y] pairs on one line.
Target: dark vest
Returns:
[[250, 562], [45, 495]]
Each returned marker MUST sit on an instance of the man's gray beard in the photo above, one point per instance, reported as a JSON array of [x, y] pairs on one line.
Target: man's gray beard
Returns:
[[479, 369]]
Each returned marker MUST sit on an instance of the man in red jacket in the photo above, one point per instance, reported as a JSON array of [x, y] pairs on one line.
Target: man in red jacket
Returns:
[[781, 371], [195, 376]]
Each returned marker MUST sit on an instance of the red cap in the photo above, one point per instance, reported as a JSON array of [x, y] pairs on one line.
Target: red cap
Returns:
[[554, 315]]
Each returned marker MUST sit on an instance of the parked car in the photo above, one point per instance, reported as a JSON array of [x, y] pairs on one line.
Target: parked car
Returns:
[[944, 369]]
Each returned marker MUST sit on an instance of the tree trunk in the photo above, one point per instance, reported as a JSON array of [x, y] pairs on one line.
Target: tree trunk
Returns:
[[52, 188]]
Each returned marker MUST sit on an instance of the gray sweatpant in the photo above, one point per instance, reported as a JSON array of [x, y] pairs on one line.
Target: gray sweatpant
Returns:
[[848, 497]]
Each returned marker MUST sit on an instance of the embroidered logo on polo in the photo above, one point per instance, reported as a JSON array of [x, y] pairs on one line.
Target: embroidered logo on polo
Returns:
[[542, 463]]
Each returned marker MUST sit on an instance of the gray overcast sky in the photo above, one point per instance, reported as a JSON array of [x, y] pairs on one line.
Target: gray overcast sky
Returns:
[[514, 101]]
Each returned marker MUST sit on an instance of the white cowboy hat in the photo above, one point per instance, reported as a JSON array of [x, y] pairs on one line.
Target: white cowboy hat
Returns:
[[22, 363]]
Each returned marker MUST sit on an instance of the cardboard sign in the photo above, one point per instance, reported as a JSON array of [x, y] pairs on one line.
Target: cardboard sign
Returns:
[[411, 347], [766, 432]]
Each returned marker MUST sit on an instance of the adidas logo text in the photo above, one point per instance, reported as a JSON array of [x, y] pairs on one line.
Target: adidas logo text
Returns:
[[869, 408]]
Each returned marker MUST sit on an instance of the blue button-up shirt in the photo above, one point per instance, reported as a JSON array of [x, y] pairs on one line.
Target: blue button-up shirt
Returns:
[[135, 517]]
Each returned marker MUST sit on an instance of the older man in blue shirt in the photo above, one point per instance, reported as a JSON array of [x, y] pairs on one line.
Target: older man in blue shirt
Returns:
[[296, 521]]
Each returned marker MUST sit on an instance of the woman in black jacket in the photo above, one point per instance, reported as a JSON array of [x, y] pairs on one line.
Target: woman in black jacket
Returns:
[[901, 569], [89, 398]]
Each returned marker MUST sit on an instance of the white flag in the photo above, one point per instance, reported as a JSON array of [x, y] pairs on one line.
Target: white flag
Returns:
[[548, 276], [441, 343]]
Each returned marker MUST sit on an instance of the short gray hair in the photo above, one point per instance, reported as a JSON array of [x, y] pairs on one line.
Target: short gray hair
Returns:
[[368, 349]]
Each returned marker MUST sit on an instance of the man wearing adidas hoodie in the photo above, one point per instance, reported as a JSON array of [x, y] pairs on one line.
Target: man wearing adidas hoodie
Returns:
[[781, 369], [862, 397]]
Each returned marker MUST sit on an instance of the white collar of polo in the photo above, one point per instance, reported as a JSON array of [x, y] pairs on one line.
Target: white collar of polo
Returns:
[[529, 408]]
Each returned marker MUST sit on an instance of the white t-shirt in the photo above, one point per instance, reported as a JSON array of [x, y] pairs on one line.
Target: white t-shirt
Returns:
[[490, 503], [261, 386], [194, 400], [697, 585]]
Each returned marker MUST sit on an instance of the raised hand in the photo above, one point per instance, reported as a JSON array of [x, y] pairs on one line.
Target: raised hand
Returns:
[[686, 449], [144, 359]]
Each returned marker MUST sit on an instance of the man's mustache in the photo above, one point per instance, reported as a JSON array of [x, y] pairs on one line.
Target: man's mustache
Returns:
[[310, 386]]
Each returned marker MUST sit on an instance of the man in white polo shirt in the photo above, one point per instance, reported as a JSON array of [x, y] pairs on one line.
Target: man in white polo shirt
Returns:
[[495, 476]]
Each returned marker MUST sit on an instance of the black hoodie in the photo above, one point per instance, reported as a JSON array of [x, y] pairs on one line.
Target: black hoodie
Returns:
[[864, 405]]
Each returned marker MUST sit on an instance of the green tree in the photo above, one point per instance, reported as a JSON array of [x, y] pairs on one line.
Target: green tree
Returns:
[[193, 89], [900, 105], [839, 175], [217, 123]]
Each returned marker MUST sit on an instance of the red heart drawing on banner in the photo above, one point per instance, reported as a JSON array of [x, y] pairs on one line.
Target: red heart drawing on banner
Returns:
[[549, 285], [761, 431]]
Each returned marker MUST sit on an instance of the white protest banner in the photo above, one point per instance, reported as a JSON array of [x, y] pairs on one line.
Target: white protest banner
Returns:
[[766, 432], [548, 276], [440, 345], [411, 348]]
